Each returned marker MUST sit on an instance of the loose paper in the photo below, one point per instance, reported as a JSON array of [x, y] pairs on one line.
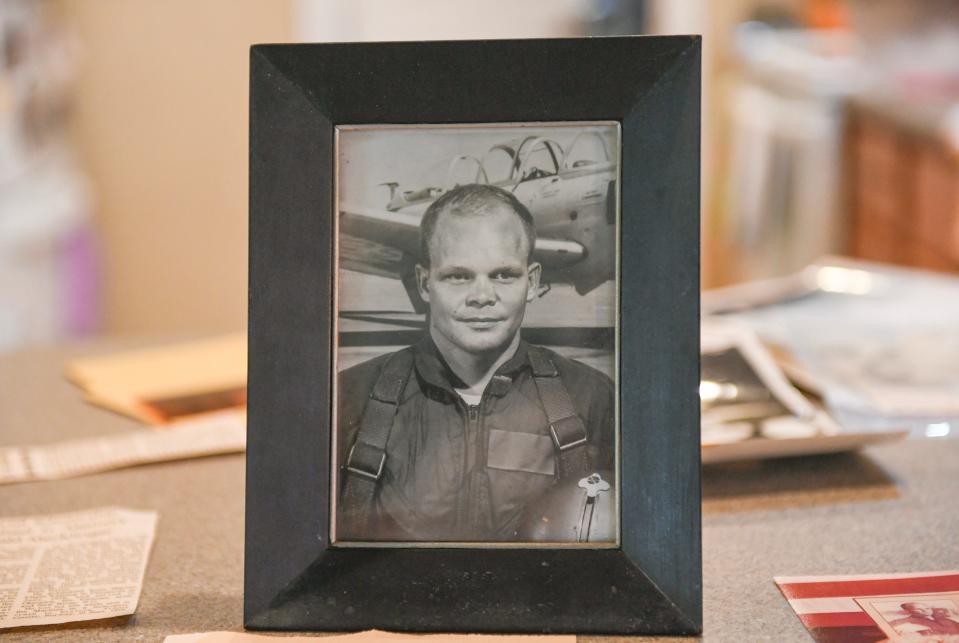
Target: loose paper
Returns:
[[222, 432], [213, 363], [161, 384], [750, 410], [920, 606], [75, 566], [878, 341], [371, 636]]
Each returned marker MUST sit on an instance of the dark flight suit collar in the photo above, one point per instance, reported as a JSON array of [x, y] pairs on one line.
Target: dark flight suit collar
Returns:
[[433, 369]]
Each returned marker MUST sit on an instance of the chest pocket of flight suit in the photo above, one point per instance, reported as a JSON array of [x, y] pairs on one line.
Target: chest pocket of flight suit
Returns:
[[516, 451]]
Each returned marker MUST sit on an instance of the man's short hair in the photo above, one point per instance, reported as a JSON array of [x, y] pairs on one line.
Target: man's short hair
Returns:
[[474, 199]]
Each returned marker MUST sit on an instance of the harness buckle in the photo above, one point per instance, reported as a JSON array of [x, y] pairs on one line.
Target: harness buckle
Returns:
[[366, 459], [568, 433]]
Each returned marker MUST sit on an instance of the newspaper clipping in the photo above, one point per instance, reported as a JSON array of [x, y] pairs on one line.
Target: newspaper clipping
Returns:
[[208, 434], [75, 566]]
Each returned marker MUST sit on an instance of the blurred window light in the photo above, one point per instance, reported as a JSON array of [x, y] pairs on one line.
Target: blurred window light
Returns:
[[710, 391], [846, 281], [937, 430]]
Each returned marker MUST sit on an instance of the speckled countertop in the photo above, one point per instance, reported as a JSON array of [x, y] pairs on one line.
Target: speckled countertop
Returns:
[[891, 508]]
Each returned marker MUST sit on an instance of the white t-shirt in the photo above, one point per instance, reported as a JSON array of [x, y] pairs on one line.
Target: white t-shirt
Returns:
[[469, 398]]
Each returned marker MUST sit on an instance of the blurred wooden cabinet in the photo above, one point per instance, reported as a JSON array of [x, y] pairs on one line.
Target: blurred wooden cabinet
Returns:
[[903, 187]]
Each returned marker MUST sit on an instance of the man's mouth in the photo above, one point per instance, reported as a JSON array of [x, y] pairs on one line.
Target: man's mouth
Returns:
[[479, 323]]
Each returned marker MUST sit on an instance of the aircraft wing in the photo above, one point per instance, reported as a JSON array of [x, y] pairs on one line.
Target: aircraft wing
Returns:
[[394, 229], [378, 242]]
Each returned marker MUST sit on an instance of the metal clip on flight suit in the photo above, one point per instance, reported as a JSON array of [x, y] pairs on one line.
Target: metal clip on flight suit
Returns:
[[367, 457]]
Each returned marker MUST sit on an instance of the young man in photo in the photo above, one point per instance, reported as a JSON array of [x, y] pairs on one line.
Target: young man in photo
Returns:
[[452, 438], [917, 616]]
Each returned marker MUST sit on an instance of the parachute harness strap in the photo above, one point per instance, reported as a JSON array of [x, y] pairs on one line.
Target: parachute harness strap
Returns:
[[566, 427], [367, 458]]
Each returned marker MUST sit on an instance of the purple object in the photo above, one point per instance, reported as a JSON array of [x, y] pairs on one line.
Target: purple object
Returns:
[[81, 282]]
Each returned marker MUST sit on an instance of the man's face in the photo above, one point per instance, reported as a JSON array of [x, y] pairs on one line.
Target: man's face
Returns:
[[917, 609], [478, 282]]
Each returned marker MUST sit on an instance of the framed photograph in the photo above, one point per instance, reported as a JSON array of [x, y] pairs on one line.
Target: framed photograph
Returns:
[[473, 364]]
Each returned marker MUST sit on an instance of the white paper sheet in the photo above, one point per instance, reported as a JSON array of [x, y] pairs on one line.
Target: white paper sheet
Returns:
[[76, 566], [371, 636], [222, 432], [880, 343]]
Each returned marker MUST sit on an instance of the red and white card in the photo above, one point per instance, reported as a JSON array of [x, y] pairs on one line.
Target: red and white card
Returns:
[[873, 608]]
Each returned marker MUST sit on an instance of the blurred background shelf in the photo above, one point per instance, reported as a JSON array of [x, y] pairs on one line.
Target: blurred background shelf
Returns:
[[903, 180]]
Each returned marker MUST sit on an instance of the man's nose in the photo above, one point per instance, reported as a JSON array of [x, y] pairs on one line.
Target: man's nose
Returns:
[[482, 293]]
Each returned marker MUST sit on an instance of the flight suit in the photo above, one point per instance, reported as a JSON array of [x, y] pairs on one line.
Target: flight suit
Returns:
[[452, 471]]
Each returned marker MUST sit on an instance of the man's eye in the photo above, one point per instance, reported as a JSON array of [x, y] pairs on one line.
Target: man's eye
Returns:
[[505, 276], [457, 278]]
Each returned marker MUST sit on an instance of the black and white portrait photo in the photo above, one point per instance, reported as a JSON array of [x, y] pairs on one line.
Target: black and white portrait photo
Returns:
[[476, 292]]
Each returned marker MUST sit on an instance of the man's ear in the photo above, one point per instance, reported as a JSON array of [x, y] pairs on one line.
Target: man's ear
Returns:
[[534, 273], [423, 282]]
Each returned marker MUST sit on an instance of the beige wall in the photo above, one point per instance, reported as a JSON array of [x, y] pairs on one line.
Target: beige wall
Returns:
[[160, 125], [341, 20]]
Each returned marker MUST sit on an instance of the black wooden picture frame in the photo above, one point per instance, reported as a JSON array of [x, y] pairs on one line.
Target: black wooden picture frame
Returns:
[[294, 578]]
